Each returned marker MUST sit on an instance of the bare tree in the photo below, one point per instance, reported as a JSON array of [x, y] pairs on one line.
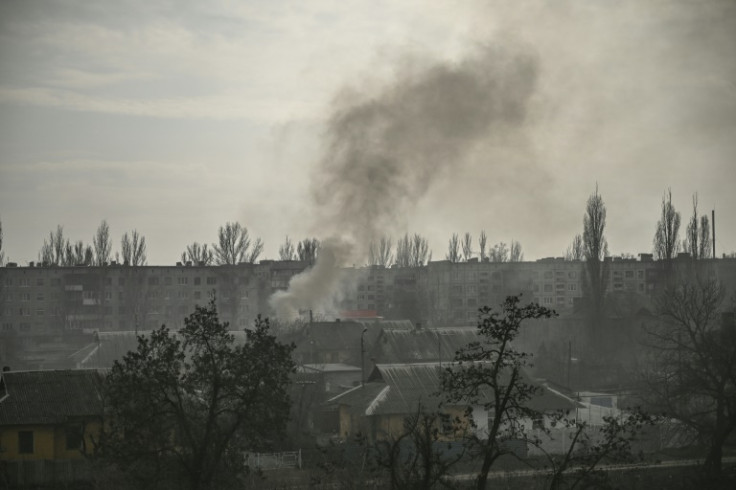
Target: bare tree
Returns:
[[705, 244], [286, 251], [665, 237], [420, 253], [412, 251], [102, 244], [403, 251], [307, 250], [515, 253], [379, 253], [133, 249], [482, 241], [414, 459], [53, 251], [575, 251], [255, 251], [2, 252], [198, 254], [234, 245], [692, 377], [467, 247], [595, 249], [453, 249], [697, 236], [79, 254], [499, 253]]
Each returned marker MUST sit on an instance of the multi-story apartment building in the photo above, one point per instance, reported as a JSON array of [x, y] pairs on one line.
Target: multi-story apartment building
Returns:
[[53, 300]]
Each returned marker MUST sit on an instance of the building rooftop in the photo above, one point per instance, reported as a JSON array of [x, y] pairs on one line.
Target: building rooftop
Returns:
[[49, 397]]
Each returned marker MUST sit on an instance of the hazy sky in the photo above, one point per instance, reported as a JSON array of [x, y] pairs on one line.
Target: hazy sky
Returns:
[[173, 117]]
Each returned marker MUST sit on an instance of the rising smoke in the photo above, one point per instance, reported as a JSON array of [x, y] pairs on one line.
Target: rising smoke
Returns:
[[384, 150]]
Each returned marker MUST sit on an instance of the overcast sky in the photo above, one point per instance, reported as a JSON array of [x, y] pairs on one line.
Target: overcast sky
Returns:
[[174, 117]]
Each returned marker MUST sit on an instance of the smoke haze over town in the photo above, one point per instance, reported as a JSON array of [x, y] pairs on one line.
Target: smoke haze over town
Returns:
[[352, 119]]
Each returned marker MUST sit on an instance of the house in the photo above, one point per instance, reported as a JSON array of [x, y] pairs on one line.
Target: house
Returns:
[[396, 391], [49, 415]]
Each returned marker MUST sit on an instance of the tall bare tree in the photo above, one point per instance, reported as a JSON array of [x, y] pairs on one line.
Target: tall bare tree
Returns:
[[453, 249], [576, 250], [467, 246], [499, 253], [420, 253], [665, 237], [692, 377], [515, 253], [53, 250], [380, 252], [482, 241], [79, 254], [705, 243], [595, 248], [102, 244], [198, 254], [307, 250], [235, 245], [133, 249], [287, 251], [2, 251], [255, 251], [697, 235]]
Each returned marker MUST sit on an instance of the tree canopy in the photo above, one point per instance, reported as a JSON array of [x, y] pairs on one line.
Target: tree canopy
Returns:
[[185, 405]]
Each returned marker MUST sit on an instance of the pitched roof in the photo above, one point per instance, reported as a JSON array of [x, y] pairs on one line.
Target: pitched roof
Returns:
[[401, 388], [49, 397], [112, 346], [421, 345]]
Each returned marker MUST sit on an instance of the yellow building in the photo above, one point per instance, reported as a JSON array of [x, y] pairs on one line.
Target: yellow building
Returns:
[[49, 415]]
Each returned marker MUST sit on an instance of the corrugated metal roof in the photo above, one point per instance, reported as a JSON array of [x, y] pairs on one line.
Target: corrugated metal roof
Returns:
[[49, 397], [407, 346], [112, 346], [413, 384]]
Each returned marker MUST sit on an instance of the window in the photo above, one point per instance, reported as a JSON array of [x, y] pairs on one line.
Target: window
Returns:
[[25, 442], [629, 274], [25, 296], [39, 281], [74, 437], [167, 281], [197, 281], [39, 297], [182, 280], [197, 294], [572, 287], [211, 281], [153, 281], [40, 312], [547, 288], [448, 427]]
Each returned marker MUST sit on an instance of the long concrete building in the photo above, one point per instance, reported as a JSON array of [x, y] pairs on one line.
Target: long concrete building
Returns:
[[38, 303]]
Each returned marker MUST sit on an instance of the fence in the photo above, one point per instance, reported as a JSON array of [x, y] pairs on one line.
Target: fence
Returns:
[[43, 472], [273, 461]]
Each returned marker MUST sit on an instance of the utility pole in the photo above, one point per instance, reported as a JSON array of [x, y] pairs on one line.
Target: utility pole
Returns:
[[362, 357]]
